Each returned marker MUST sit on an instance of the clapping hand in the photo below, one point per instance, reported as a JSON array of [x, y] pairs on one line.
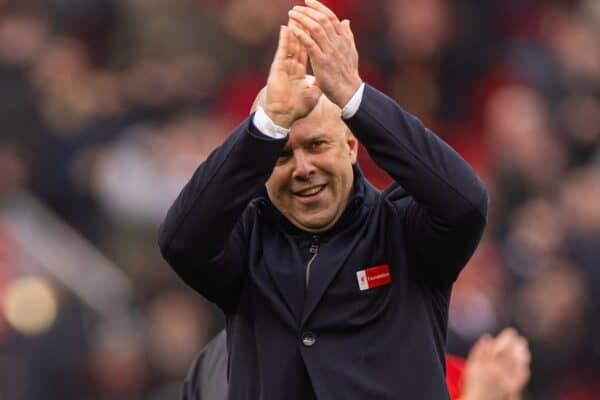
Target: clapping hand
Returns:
[[290, 94], [497, 368], [331, 48]]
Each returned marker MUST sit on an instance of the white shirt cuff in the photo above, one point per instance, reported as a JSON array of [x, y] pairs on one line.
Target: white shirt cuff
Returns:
[[352, 107], [267, 127]]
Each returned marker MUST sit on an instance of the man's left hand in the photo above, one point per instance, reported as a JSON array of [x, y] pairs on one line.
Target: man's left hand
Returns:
[[331, 48]]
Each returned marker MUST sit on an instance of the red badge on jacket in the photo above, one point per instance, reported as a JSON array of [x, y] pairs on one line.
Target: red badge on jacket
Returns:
[[373, 277]]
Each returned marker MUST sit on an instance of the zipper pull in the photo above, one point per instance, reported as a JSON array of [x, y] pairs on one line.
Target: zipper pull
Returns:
[[314, 246], [314, 249]]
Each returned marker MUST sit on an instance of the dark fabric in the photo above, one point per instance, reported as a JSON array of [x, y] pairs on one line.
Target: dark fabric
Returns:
[[225, 239], [207, 378]]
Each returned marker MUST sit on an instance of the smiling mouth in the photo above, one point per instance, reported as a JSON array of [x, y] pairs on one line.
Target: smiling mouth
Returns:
[[312, 191]]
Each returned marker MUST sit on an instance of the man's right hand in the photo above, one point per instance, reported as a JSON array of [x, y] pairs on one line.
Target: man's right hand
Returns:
[[289, 94]]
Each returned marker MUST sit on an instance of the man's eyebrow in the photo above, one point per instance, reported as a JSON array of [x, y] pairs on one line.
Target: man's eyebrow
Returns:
[[319, 136]]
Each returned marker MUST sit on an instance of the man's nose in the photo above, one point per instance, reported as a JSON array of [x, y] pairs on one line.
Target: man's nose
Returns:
[[303, 167]]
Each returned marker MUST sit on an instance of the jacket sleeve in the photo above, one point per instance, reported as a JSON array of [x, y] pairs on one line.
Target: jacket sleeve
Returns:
[[441, 222], [203, 235]]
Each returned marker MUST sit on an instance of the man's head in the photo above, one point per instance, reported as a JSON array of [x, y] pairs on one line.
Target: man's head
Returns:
[[313, 177]]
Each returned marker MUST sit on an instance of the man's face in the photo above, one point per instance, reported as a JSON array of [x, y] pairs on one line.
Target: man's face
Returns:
[[312, 180]]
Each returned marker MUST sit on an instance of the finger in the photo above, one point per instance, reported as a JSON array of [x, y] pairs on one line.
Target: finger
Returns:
[[317, 5], [297, 64], [282, 46], [284, 43], [302, 60], [347, 33], [323, 9], [487, 348], [478, 349], [315, 30], [292, 22], [330, 26], [311, 46], [510, 331], [312, 93], [522, 353], [505, 340], [279, 60], [346, 30], [512, 356], [297, 57], [300, 50], [293, 47]]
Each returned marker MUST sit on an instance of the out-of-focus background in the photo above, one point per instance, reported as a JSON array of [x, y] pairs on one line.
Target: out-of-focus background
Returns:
[[107, 107]]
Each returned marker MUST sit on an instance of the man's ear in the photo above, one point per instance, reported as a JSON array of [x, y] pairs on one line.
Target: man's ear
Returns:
[[352, 146]]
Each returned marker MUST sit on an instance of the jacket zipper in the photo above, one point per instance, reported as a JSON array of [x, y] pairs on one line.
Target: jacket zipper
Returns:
[[314, 250]]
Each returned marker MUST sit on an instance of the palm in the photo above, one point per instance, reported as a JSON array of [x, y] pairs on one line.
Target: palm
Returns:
[[290, 95]]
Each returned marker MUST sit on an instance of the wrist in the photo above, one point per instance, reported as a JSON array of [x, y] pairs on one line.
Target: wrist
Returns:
[[280, 119], [266, 125], [346, 92]]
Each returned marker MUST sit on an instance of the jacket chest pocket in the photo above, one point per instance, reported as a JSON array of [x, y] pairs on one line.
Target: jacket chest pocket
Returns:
[[359, 296]]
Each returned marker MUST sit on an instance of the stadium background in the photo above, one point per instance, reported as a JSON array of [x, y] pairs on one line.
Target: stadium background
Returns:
[[106, 107]]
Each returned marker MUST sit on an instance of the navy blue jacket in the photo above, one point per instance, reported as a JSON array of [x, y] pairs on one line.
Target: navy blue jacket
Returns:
[[331, 340]]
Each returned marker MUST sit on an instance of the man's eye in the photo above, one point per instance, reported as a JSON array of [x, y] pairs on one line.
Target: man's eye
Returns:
[[317, 144], [283, 157]]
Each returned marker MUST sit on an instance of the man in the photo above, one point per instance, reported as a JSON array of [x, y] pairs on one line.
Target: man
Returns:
[[497, 369], [331, 289]]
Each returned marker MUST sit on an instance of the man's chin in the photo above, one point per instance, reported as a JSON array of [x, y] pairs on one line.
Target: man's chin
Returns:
[[314, 223]]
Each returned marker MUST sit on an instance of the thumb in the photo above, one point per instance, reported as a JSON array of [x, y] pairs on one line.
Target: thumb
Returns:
[[312, 94]]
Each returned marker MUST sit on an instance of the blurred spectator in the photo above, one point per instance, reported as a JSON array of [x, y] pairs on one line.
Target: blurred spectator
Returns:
[[117, 365], [177, 329], [151, 156], [555, 324]]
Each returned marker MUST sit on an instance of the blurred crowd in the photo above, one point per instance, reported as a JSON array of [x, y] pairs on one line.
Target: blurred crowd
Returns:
[[107, 107]]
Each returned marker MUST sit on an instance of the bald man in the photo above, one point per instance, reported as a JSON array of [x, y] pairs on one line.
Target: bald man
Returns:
[[330, 288]]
